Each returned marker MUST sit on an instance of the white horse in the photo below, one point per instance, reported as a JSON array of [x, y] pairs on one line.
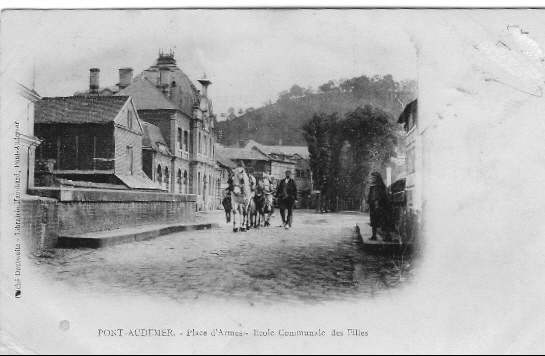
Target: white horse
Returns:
[[240, 198]]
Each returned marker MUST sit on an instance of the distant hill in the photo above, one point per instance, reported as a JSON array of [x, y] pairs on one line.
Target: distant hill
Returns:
[[281, 122]]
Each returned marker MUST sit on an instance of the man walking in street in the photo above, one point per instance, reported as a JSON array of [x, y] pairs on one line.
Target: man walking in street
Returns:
[[286, 193]]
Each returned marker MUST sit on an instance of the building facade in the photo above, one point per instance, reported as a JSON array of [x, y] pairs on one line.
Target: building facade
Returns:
[[90, 139], [20, 110], [283, 158], [167, 99]]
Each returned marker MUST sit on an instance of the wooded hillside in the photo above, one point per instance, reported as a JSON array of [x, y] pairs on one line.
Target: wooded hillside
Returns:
[[282, 122]]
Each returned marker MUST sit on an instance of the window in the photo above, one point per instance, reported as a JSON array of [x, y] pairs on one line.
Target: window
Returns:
[[186, 141], [159, 175], [200, 147], [199, 183], [130, 159], [167, 179], [179, 181], [185, 182], [180, 142], [298, 174], [129, 119]]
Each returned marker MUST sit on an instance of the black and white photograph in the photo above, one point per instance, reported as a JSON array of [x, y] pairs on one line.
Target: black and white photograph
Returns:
[[272, 180]]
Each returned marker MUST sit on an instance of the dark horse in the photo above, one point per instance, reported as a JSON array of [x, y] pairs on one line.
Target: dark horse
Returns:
[[263, 202], [259, 201]]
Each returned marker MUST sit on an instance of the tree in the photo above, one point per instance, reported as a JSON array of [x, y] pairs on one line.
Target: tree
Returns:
[[372, 139], [342, 152], [327, 87], [296, 91]]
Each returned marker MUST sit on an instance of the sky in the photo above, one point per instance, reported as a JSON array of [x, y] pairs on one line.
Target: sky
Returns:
[[250, 55]]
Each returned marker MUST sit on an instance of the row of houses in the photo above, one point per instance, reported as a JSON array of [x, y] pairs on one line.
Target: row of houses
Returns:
[[153, 131], [273, 161]]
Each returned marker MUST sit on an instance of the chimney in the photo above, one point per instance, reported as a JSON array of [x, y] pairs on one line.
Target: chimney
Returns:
[[125, 77], [93, 79], [164, 78], [205, 82]]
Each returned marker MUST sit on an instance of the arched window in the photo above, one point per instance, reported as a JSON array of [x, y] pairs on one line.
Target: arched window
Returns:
[[179, 181], [159, 175], [167, 179], [185, 182]]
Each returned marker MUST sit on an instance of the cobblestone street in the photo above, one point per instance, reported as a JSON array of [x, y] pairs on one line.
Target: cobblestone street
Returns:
[[318, 259]]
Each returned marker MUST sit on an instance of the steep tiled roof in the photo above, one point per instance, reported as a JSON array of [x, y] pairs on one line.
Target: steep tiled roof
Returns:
[[224, 161], [78, 109], [287, 150], [147, 97], [234, 153], [153, 138]]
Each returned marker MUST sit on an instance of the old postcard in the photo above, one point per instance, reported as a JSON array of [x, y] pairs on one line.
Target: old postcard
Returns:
[[272, 180]]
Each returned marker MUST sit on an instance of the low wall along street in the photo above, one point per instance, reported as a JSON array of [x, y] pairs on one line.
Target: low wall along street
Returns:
[[54, 212]]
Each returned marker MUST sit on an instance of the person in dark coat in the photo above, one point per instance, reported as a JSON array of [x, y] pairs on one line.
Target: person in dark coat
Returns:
[[226, 202], [379, 206], [286, 193]]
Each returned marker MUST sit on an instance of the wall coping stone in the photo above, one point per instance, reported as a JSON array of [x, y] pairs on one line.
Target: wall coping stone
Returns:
[[108, 195]]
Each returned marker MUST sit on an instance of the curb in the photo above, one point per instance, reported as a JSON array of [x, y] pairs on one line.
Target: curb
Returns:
[[120, 237], [383, 246]]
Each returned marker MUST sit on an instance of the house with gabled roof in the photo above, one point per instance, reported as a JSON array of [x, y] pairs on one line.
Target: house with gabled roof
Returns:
[[255, 161], [157, 158], [94, 139]]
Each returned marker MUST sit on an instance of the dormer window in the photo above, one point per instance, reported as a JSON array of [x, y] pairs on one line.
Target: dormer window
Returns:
[[173, 84]]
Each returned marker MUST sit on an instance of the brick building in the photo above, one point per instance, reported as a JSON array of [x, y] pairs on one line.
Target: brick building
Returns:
[[166, 98]]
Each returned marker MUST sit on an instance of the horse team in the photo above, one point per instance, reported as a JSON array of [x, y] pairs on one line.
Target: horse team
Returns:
[[250, 202]]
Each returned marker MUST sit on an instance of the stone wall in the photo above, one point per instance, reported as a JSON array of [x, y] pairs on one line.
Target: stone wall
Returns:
[[39, 222], [54, 212]]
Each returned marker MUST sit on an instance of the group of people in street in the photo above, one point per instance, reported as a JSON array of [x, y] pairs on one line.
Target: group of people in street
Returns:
[[285, 193], [286, 196]]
